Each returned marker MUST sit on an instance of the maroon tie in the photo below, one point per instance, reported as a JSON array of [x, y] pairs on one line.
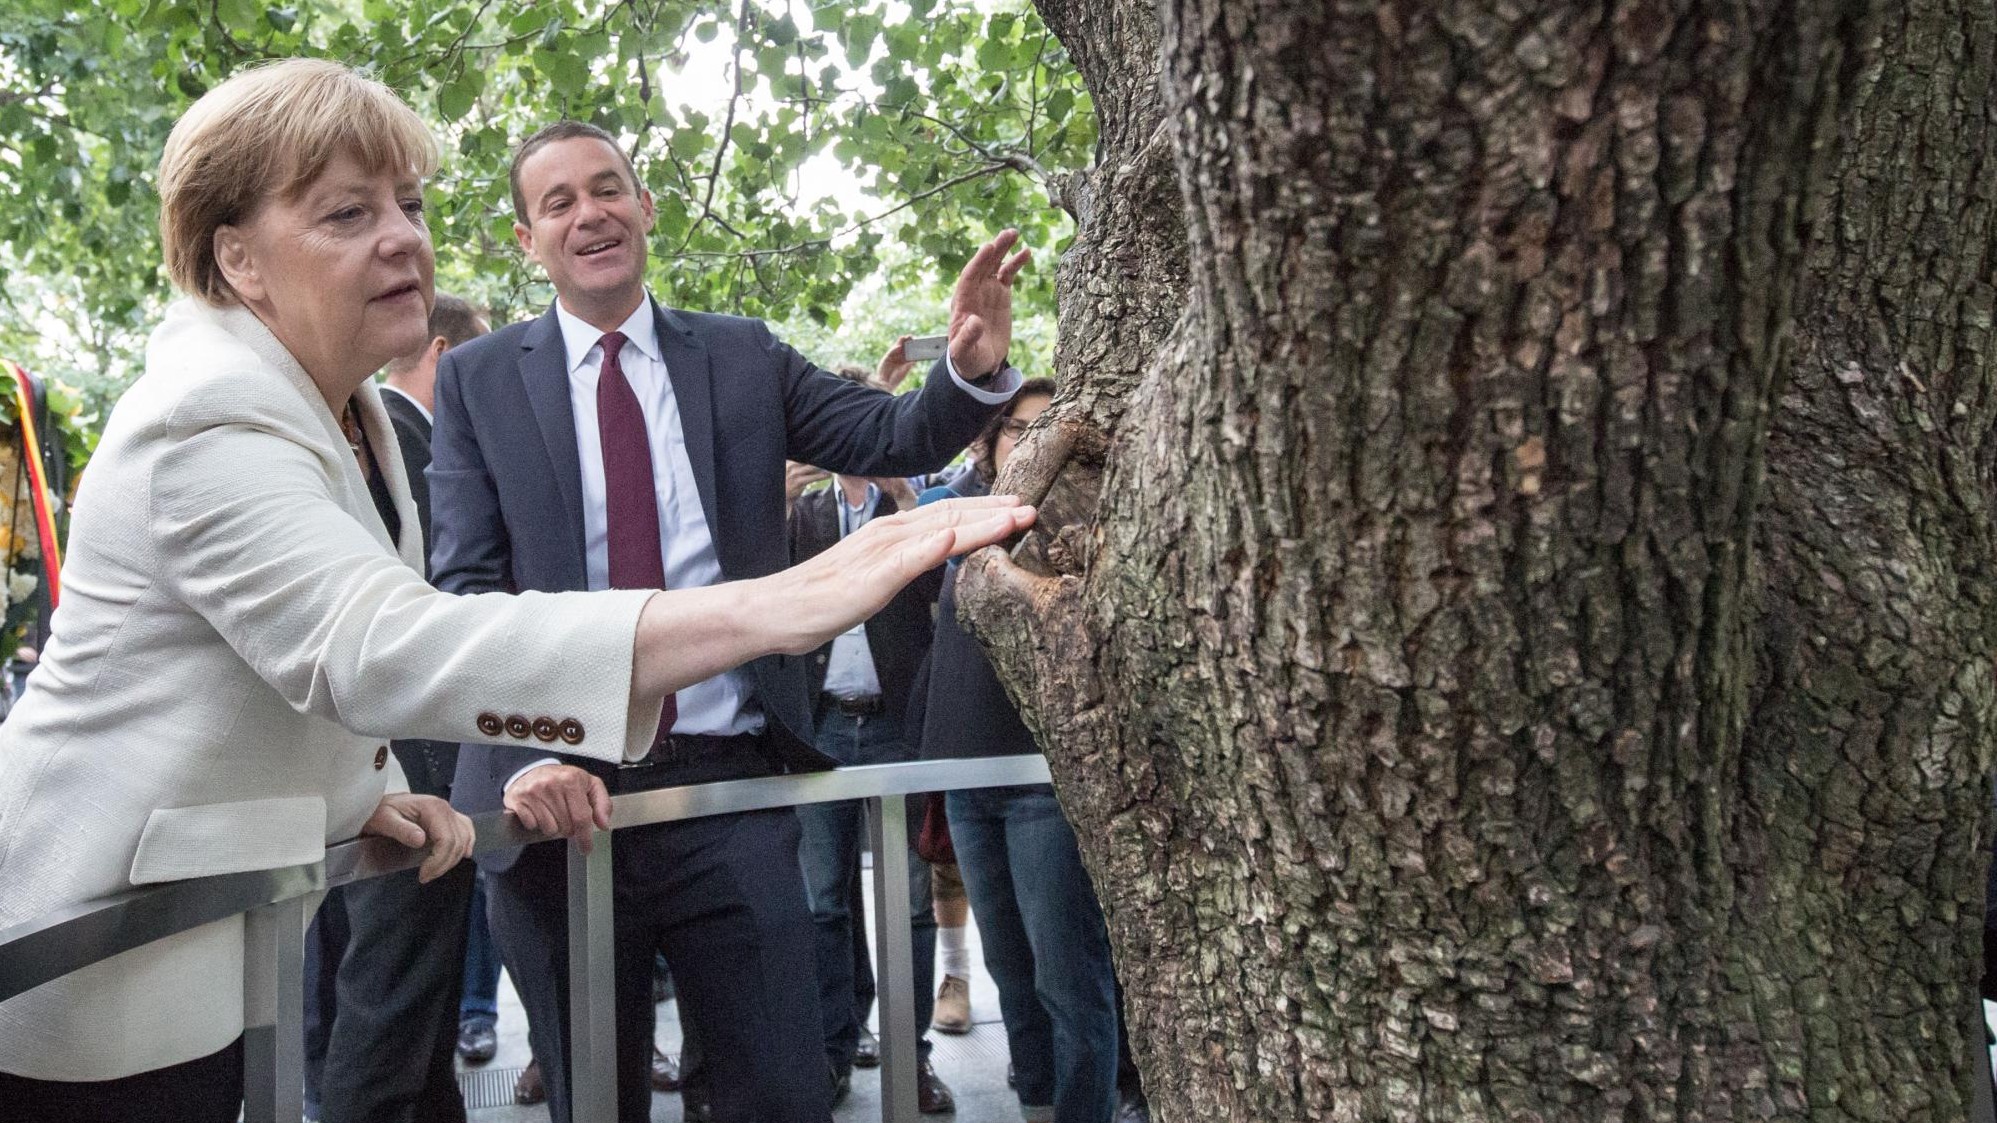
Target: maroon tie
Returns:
[[630, 500]]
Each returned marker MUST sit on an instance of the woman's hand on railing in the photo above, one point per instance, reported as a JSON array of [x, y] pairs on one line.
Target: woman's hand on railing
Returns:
[[423, 821]]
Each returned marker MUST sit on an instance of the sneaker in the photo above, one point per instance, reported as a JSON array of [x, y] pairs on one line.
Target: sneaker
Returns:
[[477, 1044], [953, 1006]]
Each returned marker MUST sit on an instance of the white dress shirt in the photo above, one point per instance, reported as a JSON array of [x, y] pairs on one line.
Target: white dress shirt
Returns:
[[720, 705], [849, 672]]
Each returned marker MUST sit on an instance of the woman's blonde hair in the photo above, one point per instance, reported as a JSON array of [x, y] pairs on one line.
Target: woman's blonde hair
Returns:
[[267, 133]]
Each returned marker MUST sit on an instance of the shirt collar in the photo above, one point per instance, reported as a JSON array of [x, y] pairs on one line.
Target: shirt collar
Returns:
[[640, 329], [391, 388]]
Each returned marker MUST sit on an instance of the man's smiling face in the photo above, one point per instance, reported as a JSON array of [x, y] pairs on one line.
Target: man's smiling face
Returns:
[[586, 225]]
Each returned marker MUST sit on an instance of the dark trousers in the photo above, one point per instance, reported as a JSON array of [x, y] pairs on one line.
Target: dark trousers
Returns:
[[391, 1051], [831, 858], [205, 1090], [480, 1004], [384, 964], [1045, 945], [723, 898]]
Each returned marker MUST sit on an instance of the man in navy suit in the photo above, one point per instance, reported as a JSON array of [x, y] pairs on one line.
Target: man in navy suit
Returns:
[[614, 442]]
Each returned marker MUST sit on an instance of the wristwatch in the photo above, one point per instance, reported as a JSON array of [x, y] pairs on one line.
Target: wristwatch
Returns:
[[985, 382]]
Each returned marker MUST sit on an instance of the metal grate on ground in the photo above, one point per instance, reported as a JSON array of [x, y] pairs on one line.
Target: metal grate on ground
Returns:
[[488, 1087]]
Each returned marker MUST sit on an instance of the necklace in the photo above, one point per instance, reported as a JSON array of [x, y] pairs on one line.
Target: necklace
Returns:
[[350, 427]]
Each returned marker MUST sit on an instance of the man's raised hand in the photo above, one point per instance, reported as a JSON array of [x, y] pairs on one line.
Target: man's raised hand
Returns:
[[981, 307]]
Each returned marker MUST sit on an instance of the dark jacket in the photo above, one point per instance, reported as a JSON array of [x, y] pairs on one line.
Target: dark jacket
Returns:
[[506, 481], [429, 766], [964, 711], [897, 636]]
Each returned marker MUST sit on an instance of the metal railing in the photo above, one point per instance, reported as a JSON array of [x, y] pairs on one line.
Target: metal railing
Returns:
[[274, 906]]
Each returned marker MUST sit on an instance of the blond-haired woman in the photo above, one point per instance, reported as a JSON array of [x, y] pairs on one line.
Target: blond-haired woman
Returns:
[[244, 624]]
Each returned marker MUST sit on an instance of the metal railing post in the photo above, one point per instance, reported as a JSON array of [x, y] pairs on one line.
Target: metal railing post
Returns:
[[900, 1051], [273, 1012], [592, 990]]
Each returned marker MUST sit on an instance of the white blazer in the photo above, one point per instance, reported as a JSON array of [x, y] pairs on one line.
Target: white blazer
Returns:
[[236, 641]]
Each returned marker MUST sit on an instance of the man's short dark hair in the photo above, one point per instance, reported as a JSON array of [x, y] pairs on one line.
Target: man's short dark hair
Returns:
[[560, 130], [852, 373], [456, 320], [451, 317]]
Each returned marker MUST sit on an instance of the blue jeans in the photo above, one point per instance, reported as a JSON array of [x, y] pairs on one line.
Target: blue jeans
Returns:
[[829, 851], [1045, 945], [480, 1004]]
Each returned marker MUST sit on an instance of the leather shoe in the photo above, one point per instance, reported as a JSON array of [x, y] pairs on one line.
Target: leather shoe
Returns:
[[477, 1044], [665, 1072], [953, 1006], [529, 1089], [867, 1051], [932, 1096]]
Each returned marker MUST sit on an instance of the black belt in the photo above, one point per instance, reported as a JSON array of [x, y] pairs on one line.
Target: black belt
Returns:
[[696, 758], [865, 706]]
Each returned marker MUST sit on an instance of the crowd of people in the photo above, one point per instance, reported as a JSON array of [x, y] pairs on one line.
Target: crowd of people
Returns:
[[572, 557]]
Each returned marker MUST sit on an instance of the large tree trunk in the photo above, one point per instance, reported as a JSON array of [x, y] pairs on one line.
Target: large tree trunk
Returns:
[[1514, 628]]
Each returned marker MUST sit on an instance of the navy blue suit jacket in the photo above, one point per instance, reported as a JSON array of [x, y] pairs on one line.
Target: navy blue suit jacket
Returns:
[[506, 483]]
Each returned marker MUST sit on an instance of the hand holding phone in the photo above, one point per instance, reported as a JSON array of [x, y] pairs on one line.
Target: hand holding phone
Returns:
[[925, 348]]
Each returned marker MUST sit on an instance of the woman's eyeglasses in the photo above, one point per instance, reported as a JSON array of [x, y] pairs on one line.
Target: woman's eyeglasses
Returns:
[[1014, 427]]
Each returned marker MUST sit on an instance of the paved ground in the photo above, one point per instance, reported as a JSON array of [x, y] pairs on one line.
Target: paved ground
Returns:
[[973, 1065]]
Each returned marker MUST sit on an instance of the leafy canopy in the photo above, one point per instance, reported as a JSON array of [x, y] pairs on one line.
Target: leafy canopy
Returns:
[[797, 152]]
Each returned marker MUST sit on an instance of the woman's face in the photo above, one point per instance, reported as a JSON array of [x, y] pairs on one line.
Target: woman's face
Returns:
[[1028, 407], [342, 274]]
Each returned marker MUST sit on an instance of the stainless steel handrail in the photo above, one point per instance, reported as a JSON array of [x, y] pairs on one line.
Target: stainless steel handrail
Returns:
[[53, 945]]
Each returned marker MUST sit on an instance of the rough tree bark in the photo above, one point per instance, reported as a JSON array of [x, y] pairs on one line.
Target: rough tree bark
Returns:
[[1513, 627]]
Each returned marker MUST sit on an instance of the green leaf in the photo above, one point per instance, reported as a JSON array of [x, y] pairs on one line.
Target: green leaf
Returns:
[[1058, 104], [454, 100], [567, 72], [282, 19]]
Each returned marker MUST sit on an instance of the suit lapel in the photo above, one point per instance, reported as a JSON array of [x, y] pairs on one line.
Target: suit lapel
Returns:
[[388, 461], [544, 370], [692, 375]]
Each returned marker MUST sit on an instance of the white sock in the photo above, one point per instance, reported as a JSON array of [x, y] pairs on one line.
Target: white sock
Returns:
[[956, 951]]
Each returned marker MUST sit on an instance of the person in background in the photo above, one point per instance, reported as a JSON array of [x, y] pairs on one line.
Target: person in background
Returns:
[[1044, 939], [860, 683], [953, 949], [245, 621]]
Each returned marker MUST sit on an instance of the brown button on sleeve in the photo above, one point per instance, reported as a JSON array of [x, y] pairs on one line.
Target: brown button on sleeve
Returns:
[[570, 731], [544, 728], [517, 728], [380, 757], [489, 724]]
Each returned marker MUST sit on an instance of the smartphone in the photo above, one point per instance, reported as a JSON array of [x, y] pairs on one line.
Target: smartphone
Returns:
[[926, 348]]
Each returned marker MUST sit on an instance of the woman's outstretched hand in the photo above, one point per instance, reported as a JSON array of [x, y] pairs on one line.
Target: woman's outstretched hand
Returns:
[[858, 577], [690, 635]]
